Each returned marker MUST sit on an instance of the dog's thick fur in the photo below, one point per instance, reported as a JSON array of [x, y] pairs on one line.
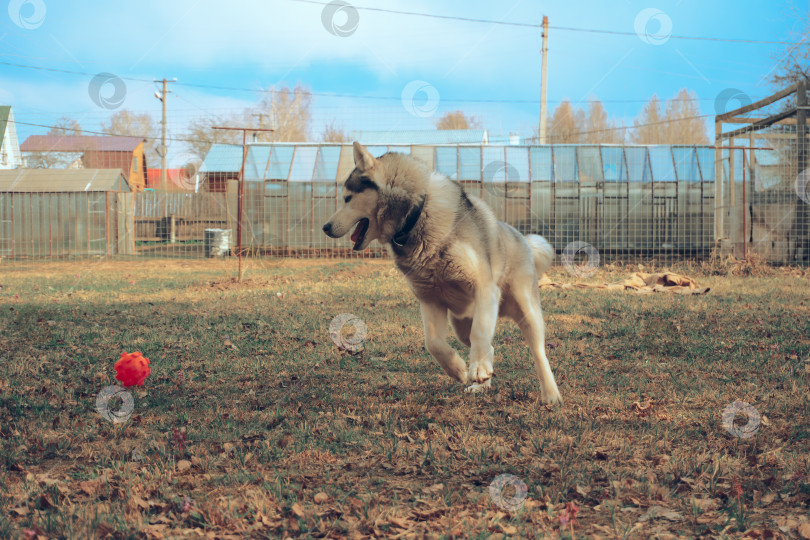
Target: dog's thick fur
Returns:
[[457, 258]]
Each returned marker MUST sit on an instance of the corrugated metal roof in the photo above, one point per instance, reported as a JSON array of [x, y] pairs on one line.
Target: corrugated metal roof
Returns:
[[62, 180], [80, 143], [432, 136], [223, 158]]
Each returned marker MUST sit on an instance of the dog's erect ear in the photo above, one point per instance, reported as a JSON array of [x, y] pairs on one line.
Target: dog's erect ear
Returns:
[[363, 160]]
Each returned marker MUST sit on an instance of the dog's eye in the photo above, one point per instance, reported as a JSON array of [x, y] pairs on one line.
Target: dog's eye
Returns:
[[347, 198]]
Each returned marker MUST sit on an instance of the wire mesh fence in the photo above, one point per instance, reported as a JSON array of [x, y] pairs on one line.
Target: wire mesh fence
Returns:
[[629, 203], [632, 202], [763, 198]]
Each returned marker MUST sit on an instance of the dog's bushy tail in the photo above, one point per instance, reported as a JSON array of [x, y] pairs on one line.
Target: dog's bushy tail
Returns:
[[543, 253]]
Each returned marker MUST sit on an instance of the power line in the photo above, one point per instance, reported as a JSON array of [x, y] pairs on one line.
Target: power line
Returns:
[[538, 26], [334, 95], [618, 128], [429, 15], [674, 36], [84, 131]]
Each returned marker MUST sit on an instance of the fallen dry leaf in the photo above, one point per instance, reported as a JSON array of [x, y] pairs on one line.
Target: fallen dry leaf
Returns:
[[508, 529], [398, 522], [787, 524], [660, 512], [45, 502], [704, 504], [20, 511], [105, 530], [435, 488], [429, 514], [297, 509], [90, 487], [767, 499], [804, 530]]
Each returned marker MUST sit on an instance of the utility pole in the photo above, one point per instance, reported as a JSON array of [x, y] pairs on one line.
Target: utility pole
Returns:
[[261, 123], [162, 153], [260, 116], [543, 82], [240, 191], [163, 150]]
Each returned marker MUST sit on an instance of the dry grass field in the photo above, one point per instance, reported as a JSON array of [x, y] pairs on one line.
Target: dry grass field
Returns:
[[254, 424]]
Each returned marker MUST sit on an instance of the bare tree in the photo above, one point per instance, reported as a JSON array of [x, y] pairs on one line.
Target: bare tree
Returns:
[[130, 124], [285, 111], [200, 133], [683, 123], [647, 128], [567, 124], [457, 120], [793, 63], [65, 125], [599, 128], [333, 132], [289, 113], [680, 123]]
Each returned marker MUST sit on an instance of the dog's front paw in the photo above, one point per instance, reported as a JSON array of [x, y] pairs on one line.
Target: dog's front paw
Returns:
[[480, 372], [457, 369], [475, 387], [550, 396]]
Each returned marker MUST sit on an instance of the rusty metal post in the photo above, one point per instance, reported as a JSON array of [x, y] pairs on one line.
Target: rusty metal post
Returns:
[[240, 191], [239, 209]]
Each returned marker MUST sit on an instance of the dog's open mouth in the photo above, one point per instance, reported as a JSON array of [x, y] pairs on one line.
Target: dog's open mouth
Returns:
[[359, 233]]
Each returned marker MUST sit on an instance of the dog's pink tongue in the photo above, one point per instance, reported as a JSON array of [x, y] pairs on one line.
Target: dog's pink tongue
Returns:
[[356, 233]]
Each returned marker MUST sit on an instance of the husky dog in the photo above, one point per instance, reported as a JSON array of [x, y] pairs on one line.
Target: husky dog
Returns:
[[457, 258]]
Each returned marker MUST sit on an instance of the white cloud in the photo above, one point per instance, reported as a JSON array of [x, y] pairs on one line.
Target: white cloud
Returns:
[[274, 37]]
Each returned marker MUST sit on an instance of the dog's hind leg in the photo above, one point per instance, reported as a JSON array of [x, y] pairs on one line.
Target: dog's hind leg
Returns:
[[529, 317], [461, 328], [435, 320], [485, 318]]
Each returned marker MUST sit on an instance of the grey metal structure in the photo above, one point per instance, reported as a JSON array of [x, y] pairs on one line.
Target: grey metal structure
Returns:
[[764, 194], [56, 213], [628, 201]]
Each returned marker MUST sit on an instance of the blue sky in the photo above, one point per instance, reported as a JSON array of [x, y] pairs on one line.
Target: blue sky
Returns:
[[490, 71]]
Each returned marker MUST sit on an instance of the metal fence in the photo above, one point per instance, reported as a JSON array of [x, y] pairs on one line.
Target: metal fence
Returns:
[[628, 202], [764, 197], [63, 225], [174, 224]]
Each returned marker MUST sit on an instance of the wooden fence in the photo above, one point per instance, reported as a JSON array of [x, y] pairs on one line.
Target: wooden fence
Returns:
[[161, 216]]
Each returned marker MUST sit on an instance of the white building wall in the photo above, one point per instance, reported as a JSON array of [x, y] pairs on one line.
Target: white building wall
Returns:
[[10, 157]]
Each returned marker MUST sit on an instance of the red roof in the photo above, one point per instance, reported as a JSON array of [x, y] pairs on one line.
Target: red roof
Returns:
[[80, 143]]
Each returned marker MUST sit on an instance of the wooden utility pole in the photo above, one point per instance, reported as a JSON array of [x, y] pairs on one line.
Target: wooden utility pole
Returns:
[[543, 82], [241, 191], [260, 116], [163, 150]]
